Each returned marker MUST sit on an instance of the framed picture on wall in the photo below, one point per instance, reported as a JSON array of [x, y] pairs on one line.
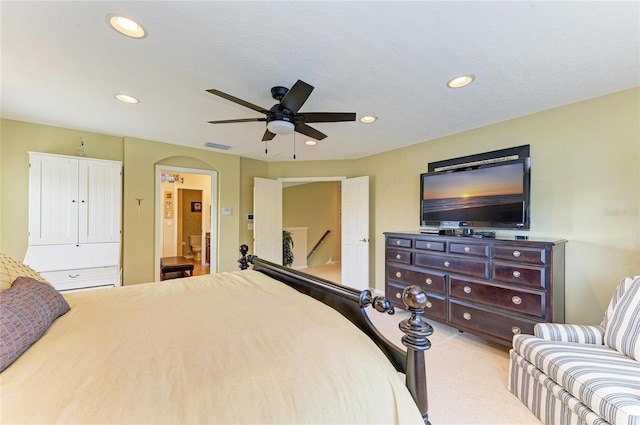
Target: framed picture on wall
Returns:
[[196, 207]]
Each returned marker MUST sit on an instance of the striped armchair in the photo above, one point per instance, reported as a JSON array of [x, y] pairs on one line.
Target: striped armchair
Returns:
[[583, 374]]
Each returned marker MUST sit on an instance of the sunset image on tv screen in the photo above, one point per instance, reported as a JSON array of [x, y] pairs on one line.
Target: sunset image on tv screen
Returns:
[[484, 194]]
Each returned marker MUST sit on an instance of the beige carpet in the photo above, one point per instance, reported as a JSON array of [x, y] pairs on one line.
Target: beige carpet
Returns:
[[466, 376]]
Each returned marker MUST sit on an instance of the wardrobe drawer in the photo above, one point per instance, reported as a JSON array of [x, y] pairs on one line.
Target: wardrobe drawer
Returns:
[[64, 280], [79, 274], [430, 281], [511, 299]]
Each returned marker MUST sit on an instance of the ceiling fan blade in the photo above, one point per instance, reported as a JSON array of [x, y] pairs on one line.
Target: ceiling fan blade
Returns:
[[309, 131], [326, 116], [295, 97], [238, 101], [268, 136], [238, 120]]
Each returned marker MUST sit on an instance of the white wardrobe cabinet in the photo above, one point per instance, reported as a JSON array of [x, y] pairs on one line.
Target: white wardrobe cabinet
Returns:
[[75, 220]]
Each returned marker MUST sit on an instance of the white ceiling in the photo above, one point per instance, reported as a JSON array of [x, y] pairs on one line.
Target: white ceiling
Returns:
[[62, 65]]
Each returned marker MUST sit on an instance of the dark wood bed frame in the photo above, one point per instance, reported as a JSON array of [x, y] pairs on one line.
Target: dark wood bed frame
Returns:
[[352, 303]]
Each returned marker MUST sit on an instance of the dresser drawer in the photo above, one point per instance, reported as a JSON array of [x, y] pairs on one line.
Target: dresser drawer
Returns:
[[471, 267], [480, 250], [487, 322], [503, 297], [436, 307], [430, 245], [519, 273], [399, 242], [520, 254], [430, 281], [398, 256]]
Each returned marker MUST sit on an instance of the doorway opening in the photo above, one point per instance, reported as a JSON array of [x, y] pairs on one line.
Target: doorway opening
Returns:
[[186, 218], [354, 218], [311, 213]]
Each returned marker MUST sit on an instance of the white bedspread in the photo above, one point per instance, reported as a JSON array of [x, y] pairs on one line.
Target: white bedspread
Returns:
[[231, 348]]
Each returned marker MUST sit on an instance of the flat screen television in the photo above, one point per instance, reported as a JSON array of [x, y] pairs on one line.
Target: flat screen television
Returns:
[[488, 196]]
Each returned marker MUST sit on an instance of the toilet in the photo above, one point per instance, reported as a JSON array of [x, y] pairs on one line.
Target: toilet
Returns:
[[195, 242]]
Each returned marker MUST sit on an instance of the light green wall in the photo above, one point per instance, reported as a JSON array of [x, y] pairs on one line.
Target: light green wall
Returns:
[[140, 159], [18, 138], [585, 188]]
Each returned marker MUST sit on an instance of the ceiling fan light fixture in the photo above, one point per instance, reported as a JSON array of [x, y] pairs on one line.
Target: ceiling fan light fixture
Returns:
[[460, 81], [126, 26], [127, 99], [280, 127], [310, 143], [368, 119]]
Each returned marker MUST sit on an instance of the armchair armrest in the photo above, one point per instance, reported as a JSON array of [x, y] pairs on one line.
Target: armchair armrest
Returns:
[[584, 334]]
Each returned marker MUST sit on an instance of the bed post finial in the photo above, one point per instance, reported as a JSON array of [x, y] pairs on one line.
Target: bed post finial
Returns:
[[415, 339], [246, 259]]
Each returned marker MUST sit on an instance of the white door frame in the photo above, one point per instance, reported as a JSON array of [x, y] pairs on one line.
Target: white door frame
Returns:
[[213, 265]]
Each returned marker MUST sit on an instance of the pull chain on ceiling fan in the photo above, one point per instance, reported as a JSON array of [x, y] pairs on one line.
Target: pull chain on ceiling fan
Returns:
[[283, 117]]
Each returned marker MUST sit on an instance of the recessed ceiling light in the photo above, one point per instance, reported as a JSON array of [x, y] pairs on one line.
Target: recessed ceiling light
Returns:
[[126, 98], [310, 143], [461, 81], [368, 119], [126, 26]]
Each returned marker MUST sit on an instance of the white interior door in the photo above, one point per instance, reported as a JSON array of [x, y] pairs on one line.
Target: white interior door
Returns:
[[355, 232], [267, 219]]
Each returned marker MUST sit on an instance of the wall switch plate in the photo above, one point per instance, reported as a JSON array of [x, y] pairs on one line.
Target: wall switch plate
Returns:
[[226, 210]]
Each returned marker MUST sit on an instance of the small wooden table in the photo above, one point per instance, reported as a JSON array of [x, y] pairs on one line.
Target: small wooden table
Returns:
[[175, 265]]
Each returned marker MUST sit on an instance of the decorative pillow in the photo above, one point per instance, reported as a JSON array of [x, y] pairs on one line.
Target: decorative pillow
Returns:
[[28, 309], [623, 330], [10, 269]]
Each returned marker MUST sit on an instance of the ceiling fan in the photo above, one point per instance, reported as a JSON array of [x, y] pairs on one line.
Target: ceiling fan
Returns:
[[283, 117]]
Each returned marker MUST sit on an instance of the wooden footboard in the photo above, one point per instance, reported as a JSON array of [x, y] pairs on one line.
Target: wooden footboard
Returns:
[[352, 303]]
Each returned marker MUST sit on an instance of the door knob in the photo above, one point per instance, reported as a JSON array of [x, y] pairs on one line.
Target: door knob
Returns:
[[364, 240]]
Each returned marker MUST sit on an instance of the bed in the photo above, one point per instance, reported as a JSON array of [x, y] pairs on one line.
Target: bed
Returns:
[[235, 347]]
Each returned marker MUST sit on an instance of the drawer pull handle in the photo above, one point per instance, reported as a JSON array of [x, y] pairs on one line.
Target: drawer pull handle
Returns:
[[467, 249], [429, 305], [428, 245], [398, 242], [398, 256], [467, 289], [428, 281], [446, 264], [73, 276], [516, 300], [398, 274], [467, 316], [398, 295], [516, 273], [516, 253], [516, 330]]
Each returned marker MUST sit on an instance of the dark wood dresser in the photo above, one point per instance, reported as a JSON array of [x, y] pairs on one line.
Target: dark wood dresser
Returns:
[[494, 288]]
